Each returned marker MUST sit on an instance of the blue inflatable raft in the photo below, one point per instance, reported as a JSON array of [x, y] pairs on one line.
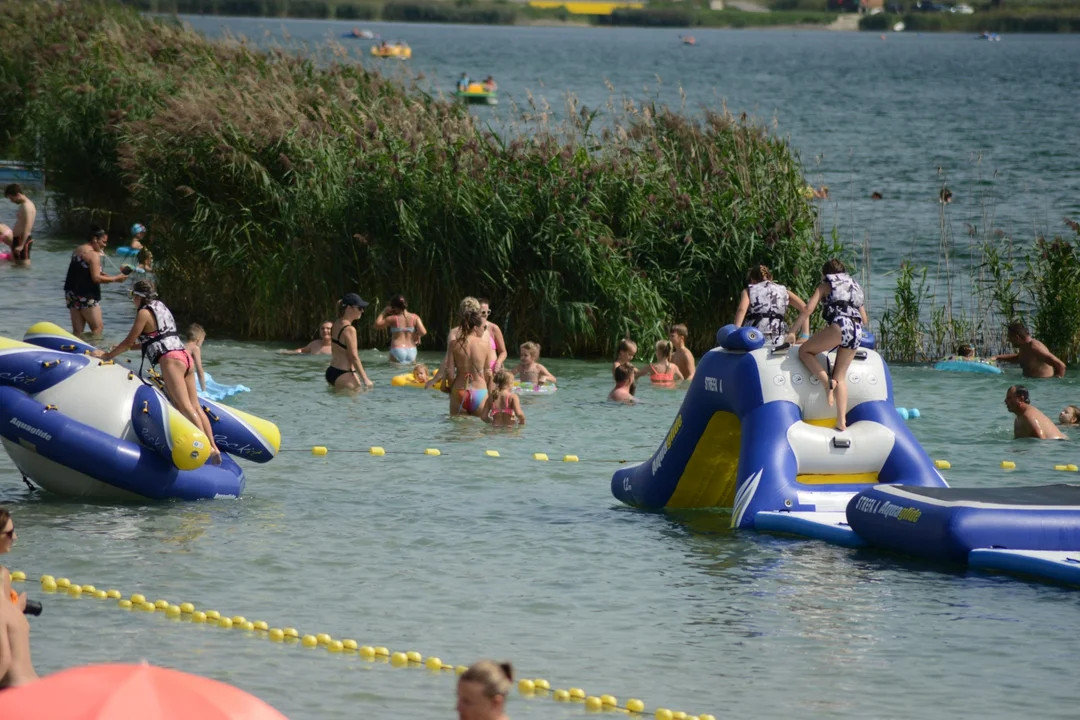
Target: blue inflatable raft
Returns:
[[954, 364]]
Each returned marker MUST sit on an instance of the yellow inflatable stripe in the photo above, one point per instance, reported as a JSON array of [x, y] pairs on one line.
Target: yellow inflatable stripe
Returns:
[[710, 475], [821, 422], [48, 328], [867, 478], [190, 447], [7, 343], [268, 430]]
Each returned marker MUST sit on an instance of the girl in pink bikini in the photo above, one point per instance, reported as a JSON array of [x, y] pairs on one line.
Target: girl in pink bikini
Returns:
[[155, 329], [502, 406], [663, 371]]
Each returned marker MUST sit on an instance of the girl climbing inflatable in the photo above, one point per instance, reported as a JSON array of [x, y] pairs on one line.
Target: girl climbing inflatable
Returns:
[[763, 305]]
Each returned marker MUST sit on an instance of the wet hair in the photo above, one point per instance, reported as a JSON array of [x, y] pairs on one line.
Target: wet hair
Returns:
[[470, 320], [1021, 394], [398, 303], [626, 345], [833, 267], [1018, 328], [13, 189], [195, 331], [679, 330], [144, 289], [623, 372], [531, 348], [1071, 409], [5, 515], [664, 349], [503, 383], [96, 231], [469, 303], [757, 273], [964, 350], [495, 678]]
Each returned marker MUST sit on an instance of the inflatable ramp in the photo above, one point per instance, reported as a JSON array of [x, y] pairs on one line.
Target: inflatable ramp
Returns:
[[755, 433]]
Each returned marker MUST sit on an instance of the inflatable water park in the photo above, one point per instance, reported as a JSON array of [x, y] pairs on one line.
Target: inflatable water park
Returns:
[[755, 434], [81, 427]]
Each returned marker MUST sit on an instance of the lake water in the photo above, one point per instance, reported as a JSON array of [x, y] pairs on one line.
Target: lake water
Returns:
[[465, 556]]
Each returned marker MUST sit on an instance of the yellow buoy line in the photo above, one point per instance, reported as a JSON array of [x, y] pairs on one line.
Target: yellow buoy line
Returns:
[[1008, 465], [529, 688], [379, 451]]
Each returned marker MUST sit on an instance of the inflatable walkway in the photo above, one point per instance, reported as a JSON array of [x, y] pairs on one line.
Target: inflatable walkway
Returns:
[[78, 426]]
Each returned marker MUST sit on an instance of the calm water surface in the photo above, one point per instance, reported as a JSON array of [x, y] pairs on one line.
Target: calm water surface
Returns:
[[464, 556]]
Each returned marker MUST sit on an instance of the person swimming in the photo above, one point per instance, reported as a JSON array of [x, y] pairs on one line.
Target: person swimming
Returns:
[[470, 365], [1033, 356], [322, 345], [346, 371], [420, 373], [482, 691], [529, 370], [405, 328], [625, 376], [624, 355], [763, 305], [1030, 422], [502, 406], [1069, 416], [664, 372], [842, 307]]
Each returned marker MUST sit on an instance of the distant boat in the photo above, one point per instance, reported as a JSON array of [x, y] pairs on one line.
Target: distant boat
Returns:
[[392, 50], [990, 36], [688, 39], [358, 33], [17, 172], [899, 27], [476, 94]]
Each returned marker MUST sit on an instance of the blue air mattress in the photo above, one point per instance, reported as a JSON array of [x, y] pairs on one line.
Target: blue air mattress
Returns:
[[949, 523], [972, 366]]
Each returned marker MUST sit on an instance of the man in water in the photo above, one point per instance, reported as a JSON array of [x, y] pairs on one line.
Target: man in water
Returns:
[[22, 233], [1034, 357], [1030, 421]]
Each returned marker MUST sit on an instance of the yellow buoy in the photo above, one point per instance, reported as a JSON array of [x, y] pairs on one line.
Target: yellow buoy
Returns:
[[18, 576], [377, 451], [367, 652], [664, 714], [570, 458], [318, 450], [247, 625], [173, 611], [75, 590], [114, 594], [382, 652], [277, 634], [65, 583], [577, 693], [561, 695], [238, 619], [542, 684], [49, 585], [635, 705], [706, 716], [138, 599], [542, 457], [335, 646], [414, 657], [1060, 468], [48, 578], [161, 604], [261, 625], [1071, 468], [526, 686], [491, 453], [147, 607], [609, 700], [309, 641], [1008, 465], [399, 659], [101, 595], [349, 644], [291, 632], [942, 464], [125, 604], [88, 589], [187, 608], [594, 704], [213, 615], [678, 715], [198, 616], [323, 638], [226, 623], [433, 663], [460, 669], [433, 452]]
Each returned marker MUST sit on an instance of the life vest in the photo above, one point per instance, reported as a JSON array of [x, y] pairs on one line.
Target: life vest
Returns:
[[768, 305], [844, 299], [165, 339]]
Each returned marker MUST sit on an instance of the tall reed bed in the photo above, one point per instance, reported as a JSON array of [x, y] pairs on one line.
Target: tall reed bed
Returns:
[[272, 184]]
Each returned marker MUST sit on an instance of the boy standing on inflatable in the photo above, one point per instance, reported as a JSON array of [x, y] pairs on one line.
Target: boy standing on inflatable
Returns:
[[842, 308]]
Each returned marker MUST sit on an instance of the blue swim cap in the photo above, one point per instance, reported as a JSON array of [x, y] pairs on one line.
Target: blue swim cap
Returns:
[[137, 228]]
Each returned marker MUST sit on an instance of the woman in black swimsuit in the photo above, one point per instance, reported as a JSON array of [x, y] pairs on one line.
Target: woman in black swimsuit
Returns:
[[346, 371], [82, 286]]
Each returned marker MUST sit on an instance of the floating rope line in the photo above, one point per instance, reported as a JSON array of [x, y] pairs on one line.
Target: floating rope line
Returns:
[[379, 451], [260, 629]]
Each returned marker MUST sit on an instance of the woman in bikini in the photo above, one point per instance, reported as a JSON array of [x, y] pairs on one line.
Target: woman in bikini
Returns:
[[502, 406], [498, 344], [155, 329], [405, 328], [842, 308], [346, 371], [663, 371], [471, 358]]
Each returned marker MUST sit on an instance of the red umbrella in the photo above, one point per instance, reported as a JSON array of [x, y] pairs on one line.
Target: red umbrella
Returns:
[[131, 692]]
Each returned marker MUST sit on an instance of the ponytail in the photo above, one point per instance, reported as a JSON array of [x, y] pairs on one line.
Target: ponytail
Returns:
[[758, 273], [503, 384]]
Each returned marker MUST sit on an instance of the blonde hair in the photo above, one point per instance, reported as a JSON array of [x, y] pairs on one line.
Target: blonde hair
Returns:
[[467, 304], [531, 348], [495, 678], [504, 384], [418, 366], [626, 345], [664, 349], [195, 331]]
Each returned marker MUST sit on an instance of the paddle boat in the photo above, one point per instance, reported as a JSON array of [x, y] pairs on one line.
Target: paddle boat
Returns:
[[397, 50], [357, 33], [477, 94], [82, 427]]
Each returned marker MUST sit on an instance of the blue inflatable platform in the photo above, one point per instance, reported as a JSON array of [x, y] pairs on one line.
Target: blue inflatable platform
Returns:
[[983, 367], [755, 433]]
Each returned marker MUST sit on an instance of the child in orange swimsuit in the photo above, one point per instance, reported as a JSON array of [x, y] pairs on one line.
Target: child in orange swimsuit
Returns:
[[502, 406], [664, 372]]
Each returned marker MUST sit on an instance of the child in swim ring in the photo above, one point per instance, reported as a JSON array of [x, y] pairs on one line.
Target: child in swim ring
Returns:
[[196, 336], [529, 370], [420, 373], [663, 371], [625, 385], [502, 406]]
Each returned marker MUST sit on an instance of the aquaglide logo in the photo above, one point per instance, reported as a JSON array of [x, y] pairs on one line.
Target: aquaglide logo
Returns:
[[31, 429]]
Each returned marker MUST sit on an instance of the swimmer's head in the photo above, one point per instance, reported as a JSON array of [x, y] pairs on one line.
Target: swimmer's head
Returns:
[[1017, 398], [623, 373], [196, 334], [1018, 332], [137, 231], [663, 349], [758, 273], [627, 350], [503, 380], [1070, 415], [420, 372], [326, 329], [7, 531], [485, 306], [530, 351], [965, 351], [832, 267], [398, 303], [144, 256], [482, 690], [677, 334], [468, 304], [352, 301]]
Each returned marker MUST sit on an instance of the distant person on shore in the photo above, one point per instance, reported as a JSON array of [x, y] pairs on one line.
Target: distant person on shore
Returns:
[[138, 232], [821, 193], [682, 357], [1035, 358], [196, 336], [471, 361], [82, 285], [498, 343], [22, 235], [663, 371], [463, 83], [482, 691], [319, 346], [405, 329], [502, 407], [529, 370], [763, 305], [1030, 422], [346, 372], [1069, 416], [155, 331], [625, 385], [841, 299]]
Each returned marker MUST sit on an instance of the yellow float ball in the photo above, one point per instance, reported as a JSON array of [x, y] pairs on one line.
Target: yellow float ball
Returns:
[[238, 619], [226, 623], [114, 594], [138, 599], [125, 604], [147, 607], [706, 716], [212, 615], [526, 686], [678, 715], [433, 663], [460, 669], [349, 644], [161, 604], [594, 704], [367, 652], [65, 583], [88, 589], [260, 625], [18, 576], [249, 626], [291, 632], [561, 695], [198, 616], [173, 611], [48, 585], [577, 693], [187, 608], [323, 638], [46, 578], [635, 705], [609, 700], [309, 641], [399, 659], [75, 590], [663, 714], [335, 646], [101, 594], [277, 634], [382, 652], [414, 657], [542, 684]]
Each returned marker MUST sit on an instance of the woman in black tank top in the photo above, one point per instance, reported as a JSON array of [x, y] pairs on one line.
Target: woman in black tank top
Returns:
[[82, 286]]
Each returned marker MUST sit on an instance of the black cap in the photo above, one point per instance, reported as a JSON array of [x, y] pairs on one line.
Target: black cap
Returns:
[[353, 300]]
